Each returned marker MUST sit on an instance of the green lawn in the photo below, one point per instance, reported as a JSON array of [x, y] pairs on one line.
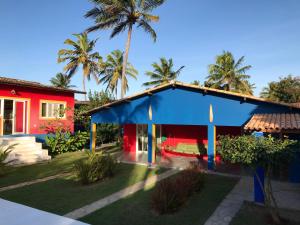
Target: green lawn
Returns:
[[63, 195], [135, 209], [60, 164], [251, 214]]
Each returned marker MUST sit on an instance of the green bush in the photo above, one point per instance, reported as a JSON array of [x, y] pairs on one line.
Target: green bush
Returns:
[[4, 152], [64, 141], [95, 168], [169, 195]]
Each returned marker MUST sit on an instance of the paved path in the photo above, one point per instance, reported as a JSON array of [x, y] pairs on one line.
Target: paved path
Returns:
[[81, 212], [286, 194], [17, 214], [33, 182]]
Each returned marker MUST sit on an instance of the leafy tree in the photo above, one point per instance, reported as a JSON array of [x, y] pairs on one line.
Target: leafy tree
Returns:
[[121, 15], [287, 89], [105, 132], [80, 54], [196, 82], [111, 72], [163, 72], [62, 81], [266, 152], [229, 75]]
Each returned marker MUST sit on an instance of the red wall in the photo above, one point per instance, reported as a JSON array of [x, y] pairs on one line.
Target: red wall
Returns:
[[35, 96], [129, 138], [176, 134]]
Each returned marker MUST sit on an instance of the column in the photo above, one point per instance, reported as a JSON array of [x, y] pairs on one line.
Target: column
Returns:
[[211, 151], [93, 137], [151, 143]]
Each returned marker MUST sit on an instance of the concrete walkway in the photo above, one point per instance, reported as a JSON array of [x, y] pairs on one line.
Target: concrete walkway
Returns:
[[88, 209], [286, 194], [17, 214], [27, 183]]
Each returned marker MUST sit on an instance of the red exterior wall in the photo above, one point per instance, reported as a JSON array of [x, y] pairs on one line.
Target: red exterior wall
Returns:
[[176, 134], [129, 138], [35, 96]]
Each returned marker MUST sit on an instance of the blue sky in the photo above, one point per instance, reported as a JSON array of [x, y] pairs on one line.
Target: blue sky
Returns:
[[192, 32]]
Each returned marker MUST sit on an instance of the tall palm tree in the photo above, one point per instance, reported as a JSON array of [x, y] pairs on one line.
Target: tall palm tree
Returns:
[[121, 15], [163, 72], [111, 72], [61, 80], [229, 75], [80, 54]]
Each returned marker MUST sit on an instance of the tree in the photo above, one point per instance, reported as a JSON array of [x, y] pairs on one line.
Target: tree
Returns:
[[162, 72], [81, 54], [287, 90], [121, 15], [229, 75], [196, 82], [62, 81], [111, 72], [266, 152]]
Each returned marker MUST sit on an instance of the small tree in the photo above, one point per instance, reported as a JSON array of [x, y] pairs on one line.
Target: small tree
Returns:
[[266, 152]]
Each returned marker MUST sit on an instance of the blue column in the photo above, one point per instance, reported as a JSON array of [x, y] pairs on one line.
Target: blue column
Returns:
[[211, 151], [258, 191], [294, 168], [149, 143]]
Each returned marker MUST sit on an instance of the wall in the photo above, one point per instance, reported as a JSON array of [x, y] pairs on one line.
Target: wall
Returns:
[[129, 137], [35, 96]]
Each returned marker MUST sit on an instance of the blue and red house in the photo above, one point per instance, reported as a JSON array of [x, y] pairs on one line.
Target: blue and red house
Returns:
[[177, 114]]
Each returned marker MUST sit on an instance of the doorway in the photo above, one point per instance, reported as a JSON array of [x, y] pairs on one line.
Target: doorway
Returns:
[[142, 139]]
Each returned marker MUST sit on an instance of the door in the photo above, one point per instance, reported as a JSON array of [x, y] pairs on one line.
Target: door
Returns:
[[142, 138], [19, 117], [8, 117]]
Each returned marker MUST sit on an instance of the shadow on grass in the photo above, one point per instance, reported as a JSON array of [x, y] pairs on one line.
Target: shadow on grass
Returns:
[[135, 209]]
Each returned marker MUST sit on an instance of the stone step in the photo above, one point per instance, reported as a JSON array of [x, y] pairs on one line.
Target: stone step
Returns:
[[25, 138]]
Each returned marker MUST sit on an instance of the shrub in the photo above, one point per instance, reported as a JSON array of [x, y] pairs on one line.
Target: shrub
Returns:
[[169, 195], [64, 141], [95, 168], [4, 152]]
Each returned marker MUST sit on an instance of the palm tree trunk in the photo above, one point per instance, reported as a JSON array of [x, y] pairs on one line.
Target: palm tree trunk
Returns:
[[125, 60], [83, 86]]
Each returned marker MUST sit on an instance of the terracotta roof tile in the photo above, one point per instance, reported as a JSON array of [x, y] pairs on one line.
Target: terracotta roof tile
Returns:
[[274, 122]]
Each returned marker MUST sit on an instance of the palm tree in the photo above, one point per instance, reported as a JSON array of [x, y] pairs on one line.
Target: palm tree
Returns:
[[196, 82], [163, 72], [80, 54], [230, 75], [111, 72], [61, 80], [121, 15]]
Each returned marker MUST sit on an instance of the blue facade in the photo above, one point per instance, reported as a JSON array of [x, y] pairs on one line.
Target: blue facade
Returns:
[[182, 105]]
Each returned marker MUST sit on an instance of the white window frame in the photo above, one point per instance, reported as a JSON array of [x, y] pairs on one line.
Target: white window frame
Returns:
[[47, 102]]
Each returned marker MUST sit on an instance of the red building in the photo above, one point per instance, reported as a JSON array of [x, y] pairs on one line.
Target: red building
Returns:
[[26, 107]]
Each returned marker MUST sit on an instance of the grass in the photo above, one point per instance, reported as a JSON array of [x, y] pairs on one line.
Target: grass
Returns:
[[135, 209], [60, 164], [251, 214], [63, 195]]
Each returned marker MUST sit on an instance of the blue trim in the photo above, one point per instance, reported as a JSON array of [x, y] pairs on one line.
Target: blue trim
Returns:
[[258, 192]]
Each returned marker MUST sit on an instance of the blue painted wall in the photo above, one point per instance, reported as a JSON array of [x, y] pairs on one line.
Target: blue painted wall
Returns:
[[186, 106]]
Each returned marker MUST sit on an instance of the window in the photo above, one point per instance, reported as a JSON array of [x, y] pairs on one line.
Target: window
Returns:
[[52, 110]]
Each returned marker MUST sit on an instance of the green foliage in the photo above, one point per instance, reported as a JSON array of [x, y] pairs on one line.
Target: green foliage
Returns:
[[62, 81], [170, 194], [111, 72], [62, 142], [4, 153], [251, 151], [230, 75], [287, 89], [95, 168], [105, 132], [163, 72]]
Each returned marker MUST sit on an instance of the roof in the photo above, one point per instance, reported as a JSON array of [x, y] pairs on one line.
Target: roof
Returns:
[[80, 102], [35, 85], [297, 104], [190, 86], [274, 122]]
